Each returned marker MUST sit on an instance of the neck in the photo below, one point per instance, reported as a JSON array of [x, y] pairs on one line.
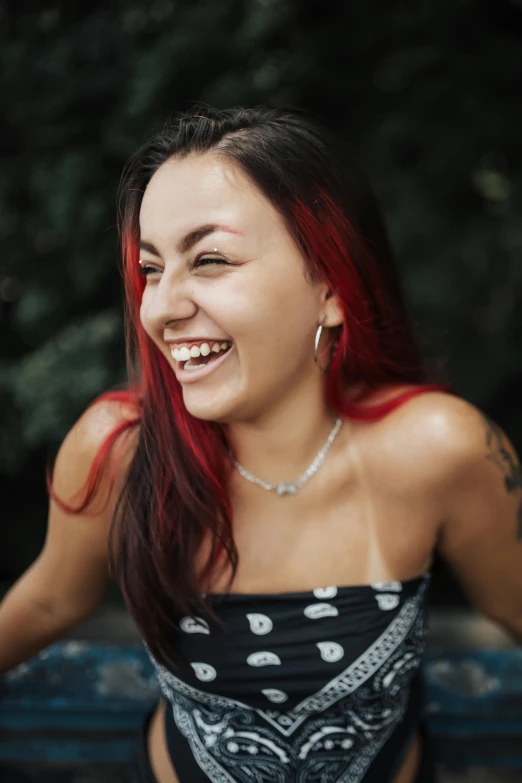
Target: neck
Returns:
[[281, 444]]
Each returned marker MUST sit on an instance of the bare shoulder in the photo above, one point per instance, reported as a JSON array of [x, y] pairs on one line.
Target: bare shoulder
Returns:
[[450, 428], [473, 468], [441, 460], [435, 437], [81, 446], [441, 420], [71, 573], [101, 418]]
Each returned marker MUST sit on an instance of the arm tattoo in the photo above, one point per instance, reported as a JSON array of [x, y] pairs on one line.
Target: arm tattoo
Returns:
[[500, 456]]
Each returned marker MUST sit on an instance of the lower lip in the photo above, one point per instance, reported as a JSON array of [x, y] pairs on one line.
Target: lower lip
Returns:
[[192, 376]]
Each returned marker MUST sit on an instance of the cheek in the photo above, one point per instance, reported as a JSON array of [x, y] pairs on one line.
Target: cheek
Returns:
[[145, 318], [143, 313], [269, 320]]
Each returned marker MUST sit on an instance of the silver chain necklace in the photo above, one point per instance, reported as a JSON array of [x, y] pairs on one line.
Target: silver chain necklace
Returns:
[[289, 487]]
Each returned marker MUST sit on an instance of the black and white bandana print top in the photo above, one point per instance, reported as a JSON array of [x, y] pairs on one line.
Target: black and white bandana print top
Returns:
[[321, 686]]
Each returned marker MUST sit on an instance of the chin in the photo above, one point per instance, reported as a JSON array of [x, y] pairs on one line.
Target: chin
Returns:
[[220, 411]]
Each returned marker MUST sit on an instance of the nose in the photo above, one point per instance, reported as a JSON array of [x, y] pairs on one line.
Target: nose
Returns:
[[171, 299]]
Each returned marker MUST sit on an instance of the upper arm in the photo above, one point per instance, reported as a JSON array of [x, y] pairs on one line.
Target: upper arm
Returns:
[[71, 574], [481, 501]]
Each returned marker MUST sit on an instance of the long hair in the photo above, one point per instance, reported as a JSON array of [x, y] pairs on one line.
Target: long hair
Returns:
[[175, 493]]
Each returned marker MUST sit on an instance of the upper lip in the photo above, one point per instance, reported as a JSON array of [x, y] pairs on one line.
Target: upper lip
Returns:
[[192, 340]]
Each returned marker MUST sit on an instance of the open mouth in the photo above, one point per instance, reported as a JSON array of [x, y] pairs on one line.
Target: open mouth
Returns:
[[195, 357]]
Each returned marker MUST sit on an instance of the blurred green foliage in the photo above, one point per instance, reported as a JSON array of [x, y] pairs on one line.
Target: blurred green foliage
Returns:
[[429, 92]]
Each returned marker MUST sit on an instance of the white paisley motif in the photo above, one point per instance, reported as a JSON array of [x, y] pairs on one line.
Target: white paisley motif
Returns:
[[260, 623], [263, 659], [204, 671], [335, 733], [348, 681], [330, 651], [325, 592], [387, 602], [316, 611], [275, 695], [193, 625], [391, 587]]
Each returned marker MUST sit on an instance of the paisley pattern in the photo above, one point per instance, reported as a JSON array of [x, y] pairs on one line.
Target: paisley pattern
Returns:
[[387, 601], [391, 587], [325, 592], [332, 735], [316, 611], [275, 695], [331, 651], [263, 659], [194, 625], [260, 623], [204, 671]]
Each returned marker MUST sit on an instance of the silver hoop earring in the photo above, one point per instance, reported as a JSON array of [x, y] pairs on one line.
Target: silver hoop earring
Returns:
[[316, 346]]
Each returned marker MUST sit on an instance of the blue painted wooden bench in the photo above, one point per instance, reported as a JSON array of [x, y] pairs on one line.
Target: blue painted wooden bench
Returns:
[[81, 701]]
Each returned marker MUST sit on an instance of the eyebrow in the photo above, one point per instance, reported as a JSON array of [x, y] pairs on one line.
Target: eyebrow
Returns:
[[191, 239]]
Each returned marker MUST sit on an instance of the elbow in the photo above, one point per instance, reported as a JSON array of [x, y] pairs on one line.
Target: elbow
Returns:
[[67, 615]]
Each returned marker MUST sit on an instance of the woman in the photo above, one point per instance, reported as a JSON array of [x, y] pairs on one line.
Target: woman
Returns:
[[283, 473]]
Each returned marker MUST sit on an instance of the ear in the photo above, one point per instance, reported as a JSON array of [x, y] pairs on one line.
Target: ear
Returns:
[[331, 309]]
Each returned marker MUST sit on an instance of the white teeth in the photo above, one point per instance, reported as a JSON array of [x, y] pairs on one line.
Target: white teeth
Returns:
[[193, 367], [185, 353]]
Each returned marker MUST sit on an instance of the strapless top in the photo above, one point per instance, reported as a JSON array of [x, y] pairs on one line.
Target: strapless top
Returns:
[[315, 686]]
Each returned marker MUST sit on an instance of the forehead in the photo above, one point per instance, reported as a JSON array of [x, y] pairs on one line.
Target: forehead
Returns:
[[201, 189]]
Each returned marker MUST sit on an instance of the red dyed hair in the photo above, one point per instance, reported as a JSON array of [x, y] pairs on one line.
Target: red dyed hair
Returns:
[[175, 490]]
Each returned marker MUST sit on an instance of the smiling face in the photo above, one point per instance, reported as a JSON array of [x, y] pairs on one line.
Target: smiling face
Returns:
[[239, 287]]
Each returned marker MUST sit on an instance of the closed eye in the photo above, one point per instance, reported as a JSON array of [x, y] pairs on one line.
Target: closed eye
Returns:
[[206, 260], [147, 269]]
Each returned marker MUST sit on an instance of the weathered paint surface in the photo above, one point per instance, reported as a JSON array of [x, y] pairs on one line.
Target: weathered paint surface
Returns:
[[77, 701]]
